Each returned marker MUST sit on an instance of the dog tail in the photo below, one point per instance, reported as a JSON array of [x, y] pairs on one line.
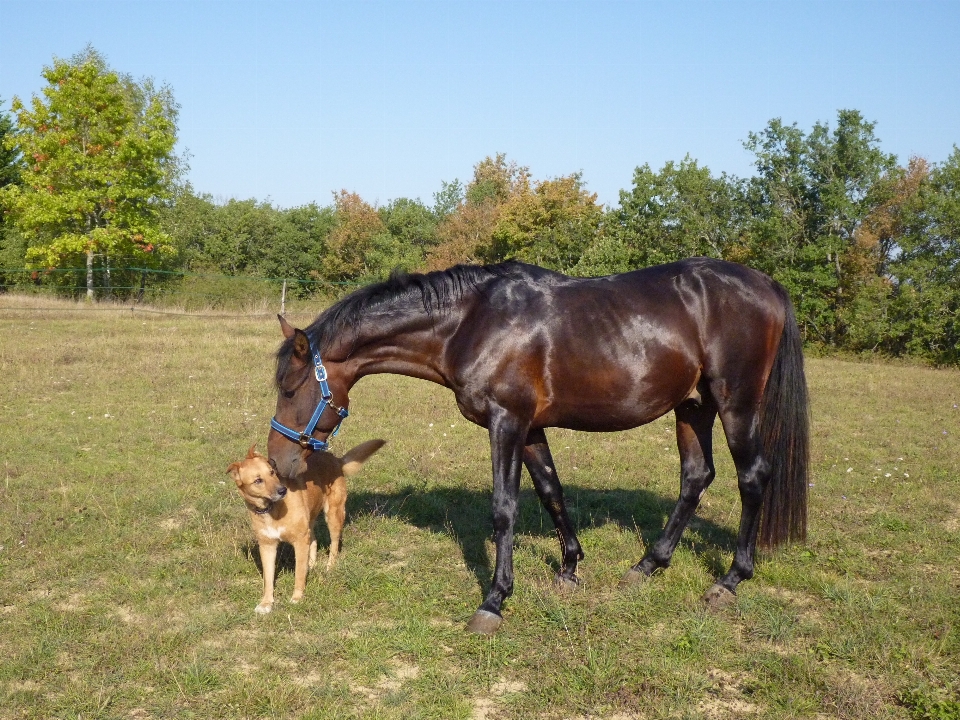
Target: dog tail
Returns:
[[355, 458]]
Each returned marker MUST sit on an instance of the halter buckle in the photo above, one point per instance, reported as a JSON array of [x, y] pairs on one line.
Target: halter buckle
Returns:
[[305, 440]]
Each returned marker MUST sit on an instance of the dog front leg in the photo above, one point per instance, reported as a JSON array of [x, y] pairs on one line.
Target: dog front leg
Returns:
[[268, 559]]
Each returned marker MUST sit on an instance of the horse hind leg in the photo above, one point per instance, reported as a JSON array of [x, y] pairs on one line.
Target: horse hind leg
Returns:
[[753, 474], [540, 465], [695, 419]]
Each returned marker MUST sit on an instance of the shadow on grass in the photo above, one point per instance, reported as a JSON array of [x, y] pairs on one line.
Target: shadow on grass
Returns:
[[466, 515]]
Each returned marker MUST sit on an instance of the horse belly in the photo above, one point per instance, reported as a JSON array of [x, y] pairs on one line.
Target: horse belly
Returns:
[[606, 399]]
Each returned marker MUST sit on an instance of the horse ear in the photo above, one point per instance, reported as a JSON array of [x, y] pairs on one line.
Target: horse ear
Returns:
[[301, 345], [285, 327]]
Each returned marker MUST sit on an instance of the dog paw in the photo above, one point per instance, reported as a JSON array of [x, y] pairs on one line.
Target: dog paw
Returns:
[[296, 598], [263, 608]]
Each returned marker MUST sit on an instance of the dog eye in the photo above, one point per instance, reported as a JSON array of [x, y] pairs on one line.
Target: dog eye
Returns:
[[258, 481]]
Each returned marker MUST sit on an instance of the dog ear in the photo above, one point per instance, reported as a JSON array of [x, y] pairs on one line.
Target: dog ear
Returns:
[[252, 452], [286, 328], [233, 469]]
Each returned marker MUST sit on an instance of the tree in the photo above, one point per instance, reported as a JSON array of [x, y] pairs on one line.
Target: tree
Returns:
[[548, 224], [12, 247], [806, 203], [466, 232], [448, 198], [358, 223], [10, 161], [924, 307], [411, 230], [681, 211], [299, 247], [100, 165]]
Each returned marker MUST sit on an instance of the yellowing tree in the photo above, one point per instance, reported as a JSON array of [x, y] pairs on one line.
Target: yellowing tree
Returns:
[[549, 224], [98, 165], [466, 233], [358, 225]]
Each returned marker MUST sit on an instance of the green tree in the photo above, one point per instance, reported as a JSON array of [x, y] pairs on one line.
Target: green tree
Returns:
[[806, 203], [10, 160], [924, 308], [448, 198], [100, 165], [681, 211], [411, 231], [299, 248], [12, 247]]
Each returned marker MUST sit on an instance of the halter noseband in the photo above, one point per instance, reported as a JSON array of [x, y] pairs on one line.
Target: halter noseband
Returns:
[[305, 439]]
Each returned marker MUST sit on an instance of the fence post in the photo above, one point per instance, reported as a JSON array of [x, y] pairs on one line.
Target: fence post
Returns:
[[283, 299]]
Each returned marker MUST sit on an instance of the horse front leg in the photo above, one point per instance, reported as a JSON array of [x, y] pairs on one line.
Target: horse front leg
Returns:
[[506, 448], [543, 471]]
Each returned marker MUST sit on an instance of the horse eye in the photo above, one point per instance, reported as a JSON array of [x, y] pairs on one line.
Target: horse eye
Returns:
[[288, 393]]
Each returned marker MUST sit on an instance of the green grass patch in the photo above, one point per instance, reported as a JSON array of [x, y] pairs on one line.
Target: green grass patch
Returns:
[[128, 573]]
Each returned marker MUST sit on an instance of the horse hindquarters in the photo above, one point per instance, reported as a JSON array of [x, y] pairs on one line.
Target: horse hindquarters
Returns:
[[769, 442]]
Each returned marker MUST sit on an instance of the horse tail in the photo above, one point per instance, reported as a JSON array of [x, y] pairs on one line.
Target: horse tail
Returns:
[[785, 433]]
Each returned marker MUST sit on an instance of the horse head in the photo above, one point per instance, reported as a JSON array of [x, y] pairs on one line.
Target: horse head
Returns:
[[311, 403]]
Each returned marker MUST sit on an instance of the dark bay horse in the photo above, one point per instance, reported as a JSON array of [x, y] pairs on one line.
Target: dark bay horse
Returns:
[[523, 349]]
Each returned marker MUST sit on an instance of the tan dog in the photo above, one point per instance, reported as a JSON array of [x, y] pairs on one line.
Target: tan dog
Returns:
[[287, 510]]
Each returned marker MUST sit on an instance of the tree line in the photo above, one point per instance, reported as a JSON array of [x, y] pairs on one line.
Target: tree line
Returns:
[[867, 246]]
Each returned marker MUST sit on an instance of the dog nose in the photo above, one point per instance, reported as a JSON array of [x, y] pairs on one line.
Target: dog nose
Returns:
[[281, 491]]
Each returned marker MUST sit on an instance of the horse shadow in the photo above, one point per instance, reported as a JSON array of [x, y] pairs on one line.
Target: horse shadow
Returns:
[[466, 515]]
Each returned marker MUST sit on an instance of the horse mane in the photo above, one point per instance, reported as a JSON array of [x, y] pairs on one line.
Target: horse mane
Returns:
[[434, 291]]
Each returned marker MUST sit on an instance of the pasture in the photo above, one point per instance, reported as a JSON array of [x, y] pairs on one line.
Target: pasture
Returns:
[[128, 576]]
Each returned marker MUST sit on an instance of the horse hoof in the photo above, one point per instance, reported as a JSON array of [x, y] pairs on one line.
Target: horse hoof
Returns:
[[718, 597], [633, 577], [566, 584], [484, 622]]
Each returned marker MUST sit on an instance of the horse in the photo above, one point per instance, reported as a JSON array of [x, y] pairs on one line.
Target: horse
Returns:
[[524, 348]]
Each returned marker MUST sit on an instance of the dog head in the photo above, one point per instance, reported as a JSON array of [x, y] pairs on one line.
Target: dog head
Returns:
[[257, 481]]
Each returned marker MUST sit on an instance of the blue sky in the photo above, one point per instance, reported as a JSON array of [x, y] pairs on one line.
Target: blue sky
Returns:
[[291, 101]]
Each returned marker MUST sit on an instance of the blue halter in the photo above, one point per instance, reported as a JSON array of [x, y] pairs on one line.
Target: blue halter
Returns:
[[306, 439]]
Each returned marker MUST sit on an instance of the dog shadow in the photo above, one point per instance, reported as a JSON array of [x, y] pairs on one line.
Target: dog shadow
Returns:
[[466, 515]]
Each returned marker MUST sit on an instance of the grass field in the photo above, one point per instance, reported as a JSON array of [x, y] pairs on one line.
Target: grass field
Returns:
[[128, 577]]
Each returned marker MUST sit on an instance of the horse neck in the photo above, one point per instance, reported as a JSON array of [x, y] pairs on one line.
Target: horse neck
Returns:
[[412, 345]]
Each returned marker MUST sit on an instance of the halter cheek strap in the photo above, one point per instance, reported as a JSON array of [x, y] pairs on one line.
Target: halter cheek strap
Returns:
[[305, 439]]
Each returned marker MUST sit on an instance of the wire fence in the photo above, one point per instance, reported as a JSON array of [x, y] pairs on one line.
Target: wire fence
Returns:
[[170, 291]]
